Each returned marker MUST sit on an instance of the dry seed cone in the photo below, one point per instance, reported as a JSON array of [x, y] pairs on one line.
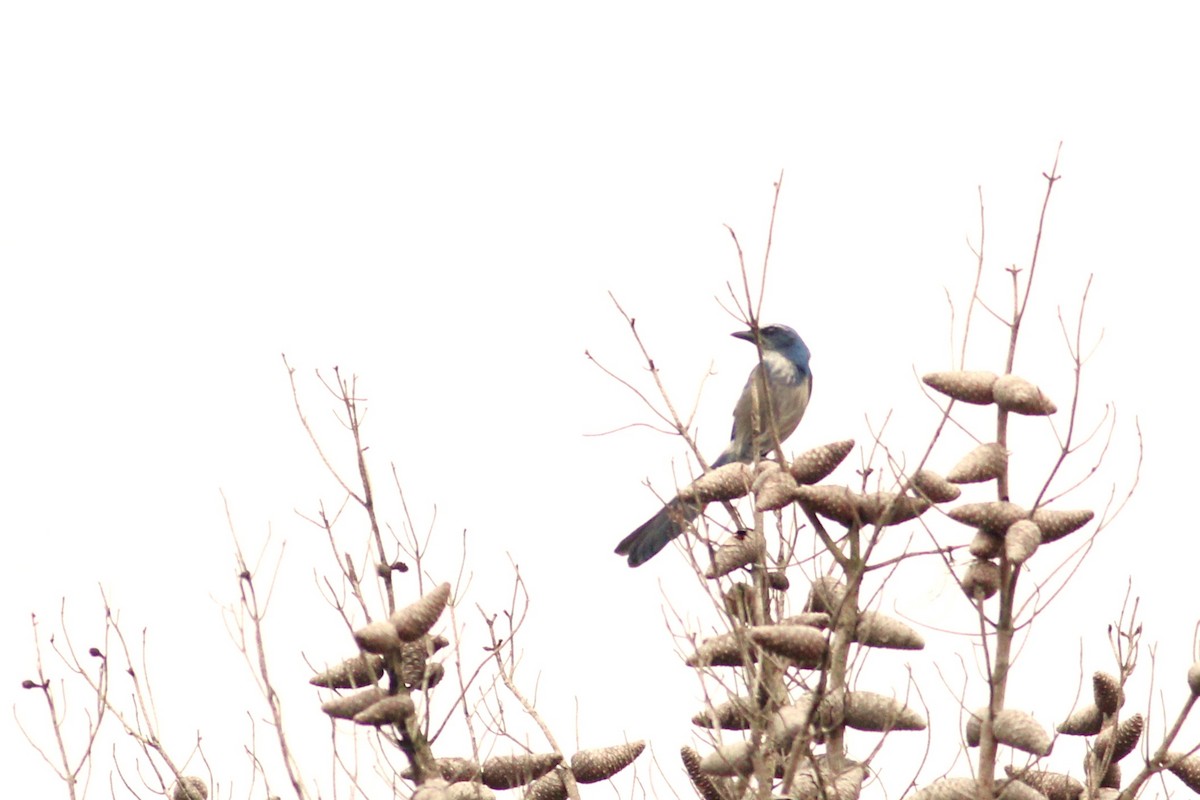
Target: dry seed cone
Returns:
[[934, 487], [791, 721], [964, 385], [804, 645], [468, 790], [414, 621], [1022, 541], [1021, 397], [1021, 731], [1015, 790], [727, 482], [813, 619], [1056, 524], [949, 789], [452, 769], [432, 789], [509, 772], [1125, 740], [846, 786], [740, 550], [773, 488], [391, 710], [729, 760], [733, 715], [725, 650], [817, 464], [973, 729], [1085, 721], [190, 788], [868, 711], [982, 580], [832, 502], [994, 517], [889, 508], [346, 706], [826, 595], [986, 545], [1111, 779], [705, 787], [985, 463], [601, 763], [378, 637], [1054, 785], [1106, 690], [353, 673], [547, 787], [876, 630], [1186, 768]]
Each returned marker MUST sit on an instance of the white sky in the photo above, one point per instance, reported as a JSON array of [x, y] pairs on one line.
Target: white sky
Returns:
[[439, 200]]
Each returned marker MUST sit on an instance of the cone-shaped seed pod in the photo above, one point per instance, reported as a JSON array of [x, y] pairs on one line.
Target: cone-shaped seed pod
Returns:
[[547, 787], [1056, 524], [353, 673], [774, 489], [733, 715], [1111, 779], [845, 786], [1021, 397], [1127, 735], [434, 673], [804, 645], [973, 729], [985, 463], [994, 517], [1015, 790], [509, 772], [967, 386], [948, 789], [816, 465], [813, 619], [986, 545], [741, 602], [469, 790], [729, 760], [414, 621], [190, 788], [705, 787], [346, 706], [378, 637], [727, 482], [1054, 785], [741, 549], [826, 595], [778, 580], [791, 721], [1085, 721], [1021, 731], [453, 769], [1106, 690], [1021, 541], [601, 763], [1193, 678], [868, 711], [725, 650], [982, 580], [414, 660], [432, 789], [889, 508], [1186, 768], [935, 488], [391, 710], [877, 630], [832, 502]]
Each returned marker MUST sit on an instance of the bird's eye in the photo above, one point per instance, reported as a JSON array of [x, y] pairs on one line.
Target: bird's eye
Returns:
[[770, 330]]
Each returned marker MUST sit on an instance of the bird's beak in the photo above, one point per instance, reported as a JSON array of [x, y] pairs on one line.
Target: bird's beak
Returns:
[[745, 335]]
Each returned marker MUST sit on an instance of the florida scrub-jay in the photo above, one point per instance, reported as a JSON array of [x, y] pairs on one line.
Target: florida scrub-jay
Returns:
[[788, 381]]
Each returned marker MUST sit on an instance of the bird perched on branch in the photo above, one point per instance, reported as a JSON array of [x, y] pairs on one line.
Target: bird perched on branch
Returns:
[[778, 389]]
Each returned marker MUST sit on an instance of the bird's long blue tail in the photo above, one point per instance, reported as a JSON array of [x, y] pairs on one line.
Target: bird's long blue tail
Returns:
[[654, 534]]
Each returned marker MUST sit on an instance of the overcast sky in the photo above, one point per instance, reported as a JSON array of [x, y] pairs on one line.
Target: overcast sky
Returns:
[[440, 200]]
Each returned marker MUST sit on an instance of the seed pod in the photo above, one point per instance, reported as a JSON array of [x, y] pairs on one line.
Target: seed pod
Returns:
[[1186, 768], [777, 580], [1021, 397], [877, 630], [470, 790], [1021, 731], [889, 508], [949, 789], [985, 463], [378, 637], [982, 580], [1111, 779], [705, 787], [1106, 690], [986, 545], [353, 673], [414, 621], [414, 669], [934, 487], [967, 386], [1193, 678], [452, 769], [1015, 790], [346, 706], [826, 595], [432, 789], [813, 619], [974, 727], [547, 787], [601, 763], [1085, 721], [816, 464], [743, 548], [727, 482], [791, 721], [1021, 541], [392, 710], [868, 711], [774, 489], [509, 772], [994, 517], [734, 714], [832, 502], [1054, 785], [725, 650], [845, 786], [1056, 524], [190, 788], [729, 760], [1123, 742], [804, 645]]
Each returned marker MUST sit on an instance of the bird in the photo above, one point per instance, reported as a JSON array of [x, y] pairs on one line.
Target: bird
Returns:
[[788, 380]]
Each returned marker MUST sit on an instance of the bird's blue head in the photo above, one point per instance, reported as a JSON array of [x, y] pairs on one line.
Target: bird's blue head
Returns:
[[780, 339]]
